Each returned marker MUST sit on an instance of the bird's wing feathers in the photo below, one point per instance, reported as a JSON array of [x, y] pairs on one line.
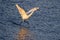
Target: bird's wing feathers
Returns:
[[21, 10], [24, 14], [33, 9]]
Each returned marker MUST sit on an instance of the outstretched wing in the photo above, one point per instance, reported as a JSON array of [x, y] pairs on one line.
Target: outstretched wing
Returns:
[[21, 10], [32, 10]]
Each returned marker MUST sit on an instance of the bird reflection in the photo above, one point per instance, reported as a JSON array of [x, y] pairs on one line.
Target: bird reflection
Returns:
[[26, 34]]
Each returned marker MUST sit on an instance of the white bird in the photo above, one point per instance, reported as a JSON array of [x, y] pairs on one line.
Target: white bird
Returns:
[[26, 15]]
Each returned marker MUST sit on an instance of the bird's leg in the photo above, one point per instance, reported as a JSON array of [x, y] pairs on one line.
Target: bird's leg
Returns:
[[26, 21]]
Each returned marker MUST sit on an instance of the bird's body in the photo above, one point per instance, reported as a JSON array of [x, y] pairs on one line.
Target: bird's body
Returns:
[[24, 14]]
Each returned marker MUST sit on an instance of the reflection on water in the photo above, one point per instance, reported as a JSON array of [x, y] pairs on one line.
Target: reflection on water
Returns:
[[25, 34]]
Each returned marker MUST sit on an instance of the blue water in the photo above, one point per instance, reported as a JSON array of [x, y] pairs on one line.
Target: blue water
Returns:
[[44, 23]]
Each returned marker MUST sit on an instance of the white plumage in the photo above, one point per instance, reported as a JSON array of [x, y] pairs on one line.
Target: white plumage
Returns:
[[24, 14]]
